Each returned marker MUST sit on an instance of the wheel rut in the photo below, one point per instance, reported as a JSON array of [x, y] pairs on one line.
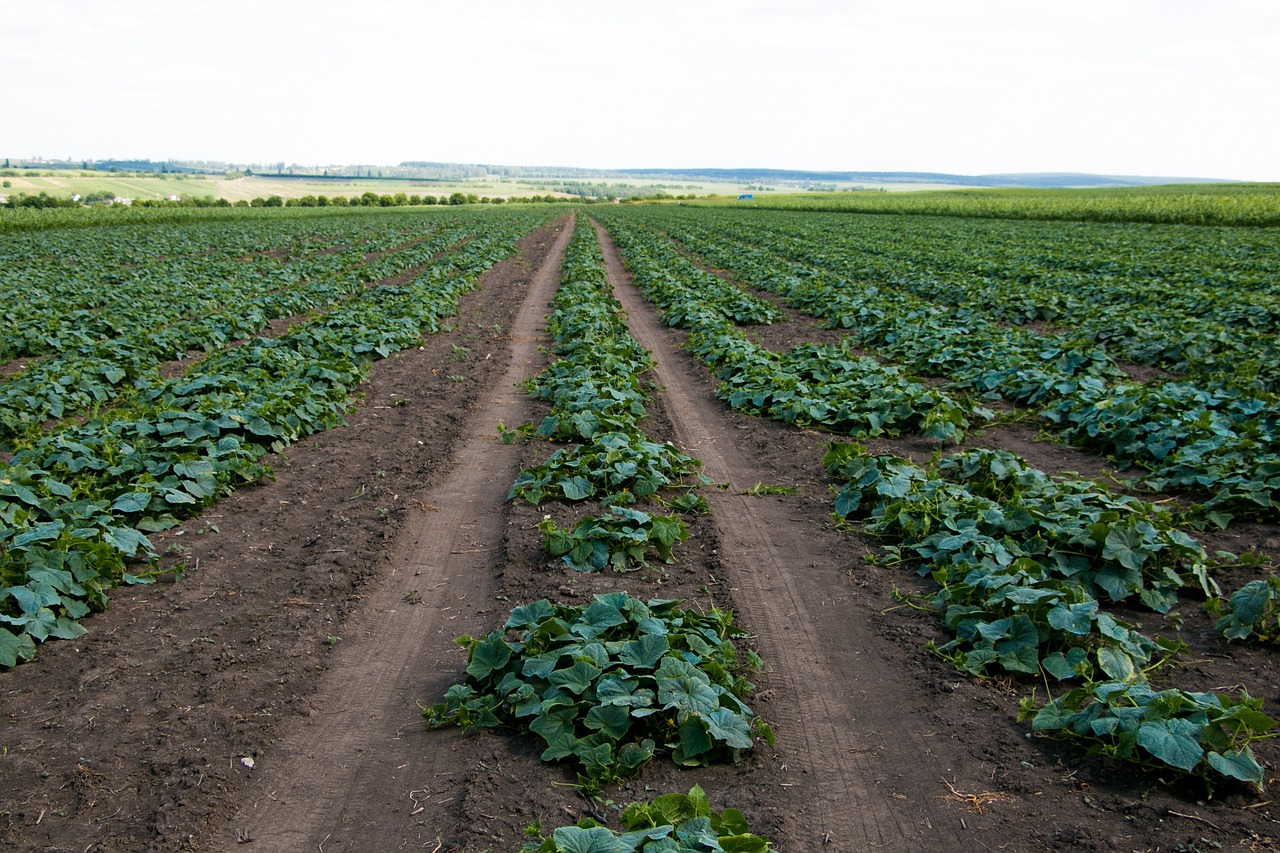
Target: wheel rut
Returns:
[[363, 773], [850, 761]]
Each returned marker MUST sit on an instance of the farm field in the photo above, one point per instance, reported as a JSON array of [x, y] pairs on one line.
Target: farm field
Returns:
[[66, 183], [962, 484]]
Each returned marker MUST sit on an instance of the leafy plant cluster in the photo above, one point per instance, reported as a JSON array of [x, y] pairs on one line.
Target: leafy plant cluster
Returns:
[[87, 375], [620, 539], [1200, 733], [1023, 563], [1205, 436], [597, 392], [685, 293], [818, 386], [78, 287], [1251, 613], [828, 387], [1205, 439], [609, 685], [670, 823], [75, 505], [1022, 560], [1191, 301], [972, 352]]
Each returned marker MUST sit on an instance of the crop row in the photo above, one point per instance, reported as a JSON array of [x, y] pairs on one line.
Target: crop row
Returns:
[[1162, 297], [1023, 563], [94, 374], [597, 392], [819, 386], [1205, 437], [1200, 205], [93, 296], [1166, 304], [608, 686], [75, 506]]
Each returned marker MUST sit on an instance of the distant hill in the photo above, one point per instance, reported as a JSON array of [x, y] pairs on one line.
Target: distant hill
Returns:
[[431, 170], [1030, 179]]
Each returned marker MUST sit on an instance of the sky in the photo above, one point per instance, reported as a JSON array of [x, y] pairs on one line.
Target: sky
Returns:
[[1179, 88]]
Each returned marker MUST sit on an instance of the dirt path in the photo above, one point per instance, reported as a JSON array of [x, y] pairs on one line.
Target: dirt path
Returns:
[[834, 703], [132, 737], [354, 776]]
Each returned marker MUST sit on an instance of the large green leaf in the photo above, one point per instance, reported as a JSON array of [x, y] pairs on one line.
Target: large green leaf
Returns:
[[729, 727], [576, 678], [682, 686], [1117, 663], [571, 839], [613, 720], [490, 654], [1237, 765], [1172, 741], [646, 652], [15, 647], [598, 617]]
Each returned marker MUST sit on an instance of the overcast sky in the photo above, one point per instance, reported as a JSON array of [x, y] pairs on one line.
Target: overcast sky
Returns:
[[1187, 88]]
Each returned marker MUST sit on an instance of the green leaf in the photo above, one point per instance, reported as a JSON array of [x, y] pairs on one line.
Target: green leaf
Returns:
[[575, 488], [694, 741], [576, 678], [1064, 667], [487, 656], [729, 727], [528, 615], [40, 533], [1171, 741], [743, 843], [1073, 618], [67, 629], [613, 720], [624, 691], [1116, 663], [555, 726], [571, 839], [596, 619], [132, 502], [126, 540], [646, 652], [1237, 765], [682, 686], [15, 647]]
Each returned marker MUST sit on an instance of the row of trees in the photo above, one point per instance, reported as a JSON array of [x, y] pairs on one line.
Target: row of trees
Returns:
[[42, 200], [368, 199]]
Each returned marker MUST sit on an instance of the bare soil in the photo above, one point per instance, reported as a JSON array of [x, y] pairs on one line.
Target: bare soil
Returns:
[[270, 700]]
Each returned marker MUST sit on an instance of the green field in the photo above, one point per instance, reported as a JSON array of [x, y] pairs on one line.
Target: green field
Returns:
[[1188, 204], [68, 183]]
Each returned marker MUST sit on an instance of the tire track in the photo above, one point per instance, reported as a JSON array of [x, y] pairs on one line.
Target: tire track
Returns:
[[852, 756], [363, 773]]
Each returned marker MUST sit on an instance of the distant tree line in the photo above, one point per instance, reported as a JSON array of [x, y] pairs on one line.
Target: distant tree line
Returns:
[[368, 199], [42, 200]]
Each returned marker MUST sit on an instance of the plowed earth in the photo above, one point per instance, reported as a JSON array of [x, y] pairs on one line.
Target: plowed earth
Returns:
[[270, 700]]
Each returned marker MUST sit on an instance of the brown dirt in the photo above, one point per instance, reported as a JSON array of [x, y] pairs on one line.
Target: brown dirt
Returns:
[[318, 612]]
